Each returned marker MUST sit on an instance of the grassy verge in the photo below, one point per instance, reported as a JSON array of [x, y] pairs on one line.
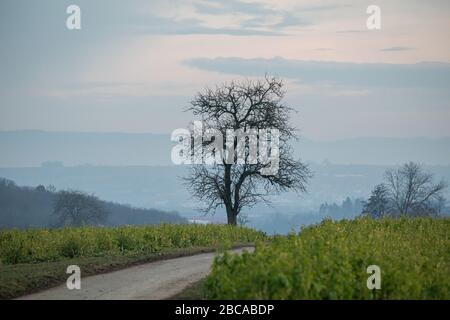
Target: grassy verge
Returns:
[[194, 291], [20, 279]]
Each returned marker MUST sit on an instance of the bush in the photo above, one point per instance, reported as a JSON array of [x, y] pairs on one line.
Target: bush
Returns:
[[329, 261]]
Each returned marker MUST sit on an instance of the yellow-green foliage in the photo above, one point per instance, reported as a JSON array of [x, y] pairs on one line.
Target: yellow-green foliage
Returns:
[[29, 246], [329, 261]]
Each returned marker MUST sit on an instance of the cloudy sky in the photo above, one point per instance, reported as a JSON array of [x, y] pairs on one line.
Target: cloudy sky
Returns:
[[135, 65]]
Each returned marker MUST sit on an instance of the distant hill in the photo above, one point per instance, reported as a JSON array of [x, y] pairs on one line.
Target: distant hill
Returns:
[[32, 148], [27, 207]]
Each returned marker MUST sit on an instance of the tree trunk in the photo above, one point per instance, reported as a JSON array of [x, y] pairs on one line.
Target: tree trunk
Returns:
[[231, 215]]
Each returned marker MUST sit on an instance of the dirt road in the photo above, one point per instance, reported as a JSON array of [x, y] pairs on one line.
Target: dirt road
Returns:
[[156, 280]]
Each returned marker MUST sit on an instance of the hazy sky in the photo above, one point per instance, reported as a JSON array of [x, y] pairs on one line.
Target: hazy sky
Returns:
[[135, 65]]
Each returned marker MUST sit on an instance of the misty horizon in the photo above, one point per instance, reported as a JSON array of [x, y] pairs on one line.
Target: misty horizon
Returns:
[[32, 148]]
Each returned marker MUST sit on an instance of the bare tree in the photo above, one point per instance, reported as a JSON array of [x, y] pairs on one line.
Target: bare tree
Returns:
[[76, 208], [412, 190], [243, 107]]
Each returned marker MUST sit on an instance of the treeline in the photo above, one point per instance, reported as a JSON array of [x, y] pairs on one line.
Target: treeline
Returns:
[[408, 190], [347, 209], [29, 207]]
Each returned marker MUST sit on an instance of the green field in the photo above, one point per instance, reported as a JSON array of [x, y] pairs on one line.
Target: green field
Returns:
[[37, 259], [45, 245], [324, 261], [329, 261]]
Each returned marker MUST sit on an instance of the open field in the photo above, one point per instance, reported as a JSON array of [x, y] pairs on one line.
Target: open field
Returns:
[[37, 259], [329, 261], [44, 245], [324, 261]]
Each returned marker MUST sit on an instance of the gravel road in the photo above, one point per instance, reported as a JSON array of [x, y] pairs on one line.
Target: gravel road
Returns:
[[156, 280]]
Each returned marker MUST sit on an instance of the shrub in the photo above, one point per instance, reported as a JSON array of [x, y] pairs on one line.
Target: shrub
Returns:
[[329, 261]]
